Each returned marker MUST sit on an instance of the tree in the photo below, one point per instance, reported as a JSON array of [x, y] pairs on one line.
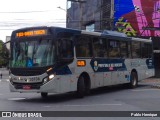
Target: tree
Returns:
[[4, 55]]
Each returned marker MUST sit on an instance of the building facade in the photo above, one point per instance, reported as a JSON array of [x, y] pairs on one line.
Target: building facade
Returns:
[[135, 18], [8, 38], [92, 15]]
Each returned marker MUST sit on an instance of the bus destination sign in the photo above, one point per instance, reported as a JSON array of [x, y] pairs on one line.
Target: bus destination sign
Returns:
[[31, 33]]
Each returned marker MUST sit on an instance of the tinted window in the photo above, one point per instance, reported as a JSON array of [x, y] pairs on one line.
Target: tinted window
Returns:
[[124, 49], [66, 48], [100, 49], [150, 52], [136, 50], [146, 50], [114, 49], [83, 46], [65, 45]]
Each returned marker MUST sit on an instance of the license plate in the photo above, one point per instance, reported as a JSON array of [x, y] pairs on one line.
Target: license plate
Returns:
[[26, 87]]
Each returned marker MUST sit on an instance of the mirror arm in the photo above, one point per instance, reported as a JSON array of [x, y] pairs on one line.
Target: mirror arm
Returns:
[[4, 46], [6, 43]]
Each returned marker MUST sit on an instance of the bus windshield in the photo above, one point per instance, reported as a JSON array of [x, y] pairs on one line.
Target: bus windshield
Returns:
[[33, 53]]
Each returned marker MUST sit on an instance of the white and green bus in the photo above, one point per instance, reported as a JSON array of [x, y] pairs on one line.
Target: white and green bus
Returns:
[[59, 60]]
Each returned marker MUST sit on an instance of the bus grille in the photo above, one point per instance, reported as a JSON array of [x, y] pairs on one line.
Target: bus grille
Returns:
[[33, 85]]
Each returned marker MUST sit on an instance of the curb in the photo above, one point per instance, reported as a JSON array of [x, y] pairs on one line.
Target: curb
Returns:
[[155, 86]]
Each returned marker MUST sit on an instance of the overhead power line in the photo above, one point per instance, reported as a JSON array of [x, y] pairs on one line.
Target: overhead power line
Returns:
[[28, 11]]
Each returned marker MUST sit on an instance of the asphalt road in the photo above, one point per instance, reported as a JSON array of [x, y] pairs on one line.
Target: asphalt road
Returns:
[[117, 98]]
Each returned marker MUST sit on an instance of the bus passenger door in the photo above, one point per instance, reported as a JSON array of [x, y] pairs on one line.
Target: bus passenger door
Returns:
[[65, 59]]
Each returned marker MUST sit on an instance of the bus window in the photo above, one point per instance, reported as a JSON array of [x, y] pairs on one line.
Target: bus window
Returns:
[[150, 52], [84, 47], [144, 48], [66, 49], [20, 50], [99, 48], [65, 45], [105, 44], [124, 49], [136, 50], [114, 50]]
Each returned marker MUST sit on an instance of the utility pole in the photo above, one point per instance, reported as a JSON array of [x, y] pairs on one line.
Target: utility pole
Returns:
[[80, 11], [81, 16], [67, 15], [112, 15]]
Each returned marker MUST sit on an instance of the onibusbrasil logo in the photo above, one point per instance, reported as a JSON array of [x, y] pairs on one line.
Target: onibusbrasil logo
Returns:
[[95, 65], [21, 114]]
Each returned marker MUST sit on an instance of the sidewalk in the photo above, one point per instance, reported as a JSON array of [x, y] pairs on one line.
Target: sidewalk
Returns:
[[5, 74], [155, 82]]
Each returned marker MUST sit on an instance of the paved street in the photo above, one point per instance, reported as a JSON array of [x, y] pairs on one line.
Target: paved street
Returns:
[[110, 99], [144, 98]]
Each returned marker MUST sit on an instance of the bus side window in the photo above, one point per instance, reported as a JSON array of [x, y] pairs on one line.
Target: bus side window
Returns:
[[150, 52], [124, 49], [136, 50], [144, 50], [83, 46], [66, 49], [114, 49], [99, 48]]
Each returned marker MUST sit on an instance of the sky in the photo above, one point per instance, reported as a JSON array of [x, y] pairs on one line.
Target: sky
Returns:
[[15, 14]]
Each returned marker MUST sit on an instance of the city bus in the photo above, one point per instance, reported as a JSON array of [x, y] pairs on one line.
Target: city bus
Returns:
[[59, 60]]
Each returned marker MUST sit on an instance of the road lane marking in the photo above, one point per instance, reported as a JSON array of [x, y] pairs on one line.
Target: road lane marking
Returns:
[[95, 105], [78, 105], [16, 98], [47, 106], [145, 89]]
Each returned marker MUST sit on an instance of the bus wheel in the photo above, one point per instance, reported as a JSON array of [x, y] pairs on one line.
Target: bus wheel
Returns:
[[134, 80], [80, 87], [44, 95]]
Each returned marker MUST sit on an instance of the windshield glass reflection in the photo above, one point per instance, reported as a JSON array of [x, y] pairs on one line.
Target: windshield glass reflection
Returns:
[[36, 53]]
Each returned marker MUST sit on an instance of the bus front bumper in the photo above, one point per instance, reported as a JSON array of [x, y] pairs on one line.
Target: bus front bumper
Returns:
[[49, 87]]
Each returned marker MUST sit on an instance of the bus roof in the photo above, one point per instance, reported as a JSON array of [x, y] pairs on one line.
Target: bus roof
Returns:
[[114, 35], [106, 33], [141, 39], [91, 33]]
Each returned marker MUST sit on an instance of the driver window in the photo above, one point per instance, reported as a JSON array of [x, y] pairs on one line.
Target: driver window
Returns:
[[66, 49]]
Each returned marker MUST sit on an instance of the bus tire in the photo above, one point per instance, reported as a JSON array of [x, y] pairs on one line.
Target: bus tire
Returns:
[[134, 80], [80, 87], [44, 94]]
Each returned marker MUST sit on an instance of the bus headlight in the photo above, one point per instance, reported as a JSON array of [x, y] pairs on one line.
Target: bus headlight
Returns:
[[50, 77]]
